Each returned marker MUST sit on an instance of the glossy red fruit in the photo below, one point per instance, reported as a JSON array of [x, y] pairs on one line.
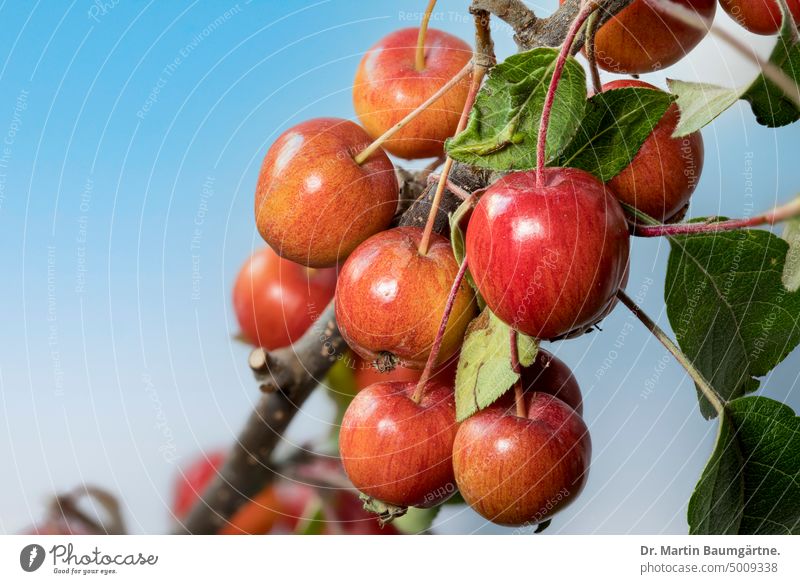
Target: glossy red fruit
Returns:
[[286, 506], [759, 16], [388, 87], [397, 450], [549, 374], [190, 485], [548, 260], [313, 203], [664, 173], [390, 299], [640, 39], [276, 300], [521, 471], [366, 374]]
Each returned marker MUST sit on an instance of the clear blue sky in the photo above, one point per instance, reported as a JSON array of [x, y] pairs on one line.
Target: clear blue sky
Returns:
[[132, 139]]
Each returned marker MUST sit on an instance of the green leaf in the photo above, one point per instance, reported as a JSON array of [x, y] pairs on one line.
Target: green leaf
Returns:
[[700, 104], [770, 105], [504, 123], [717, 502], [340, 383], [751, 485], [416, 520], [791, 269], [731, 314], [457, 237], [616, 124], [458, 242], [484, 368], [313, 520]]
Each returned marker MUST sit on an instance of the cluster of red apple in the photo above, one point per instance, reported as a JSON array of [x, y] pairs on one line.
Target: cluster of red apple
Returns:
[[547, 252]]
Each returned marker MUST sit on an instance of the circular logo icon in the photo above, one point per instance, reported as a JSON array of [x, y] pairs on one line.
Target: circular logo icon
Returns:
[[31, 557]]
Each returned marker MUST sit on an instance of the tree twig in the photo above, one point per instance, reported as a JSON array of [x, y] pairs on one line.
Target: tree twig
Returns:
[[777, 215], [531, 32]]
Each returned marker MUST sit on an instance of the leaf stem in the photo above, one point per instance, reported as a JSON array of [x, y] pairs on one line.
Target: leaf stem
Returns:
[[776, 215], [362, 156], [419, 63], [437, 342], [705, 387], [519, 393], [770, 70], [566, 48], [478, 71]]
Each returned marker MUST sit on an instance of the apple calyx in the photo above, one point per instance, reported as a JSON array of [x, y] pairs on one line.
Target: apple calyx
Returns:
[[386, 512]]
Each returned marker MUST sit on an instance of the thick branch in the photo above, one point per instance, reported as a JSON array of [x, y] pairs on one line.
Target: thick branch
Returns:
[[531, 32]]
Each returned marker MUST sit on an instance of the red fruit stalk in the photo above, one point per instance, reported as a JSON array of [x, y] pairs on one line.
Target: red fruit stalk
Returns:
[[437, 342], [477, 78], [423, 28], [584, 13]]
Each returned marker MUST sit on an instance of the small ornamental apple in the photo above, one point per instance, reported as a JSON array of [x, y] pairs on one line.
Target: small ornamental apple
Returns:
[[390, 299], [396, 445], [388, 86], [664, 173], [641, 39], [520, 471], [760, 16], [285, 506], [549, 374], [365, 373], [190, 485], [276, 300], [548, 260], [314, 204]]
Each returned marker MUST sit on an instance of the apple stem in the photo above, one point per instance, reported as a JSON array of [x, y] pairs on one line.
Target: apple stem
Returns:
[[770, 70], [586, 10], [437, 342], [419, 63], [459, 192], [591, 56], [519, 393], [477, 77], [776, 215], [362, 156], [705, 387]]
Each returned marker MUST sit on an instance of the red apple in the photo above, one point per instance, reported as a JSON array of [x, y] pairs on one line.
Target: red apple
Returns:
[[314, 204], [276, 300], [193, 481], [759, 16], [366, 374], [388, 87], [548, 260], [549, 374], [640, 39], [664, 173], [257, 517], [390, 299], [397, 450], [521, 471]]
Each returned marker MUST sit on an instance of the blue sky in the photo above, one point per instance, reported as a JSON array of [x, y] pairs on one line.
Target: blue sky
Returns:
[[133, 133]]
